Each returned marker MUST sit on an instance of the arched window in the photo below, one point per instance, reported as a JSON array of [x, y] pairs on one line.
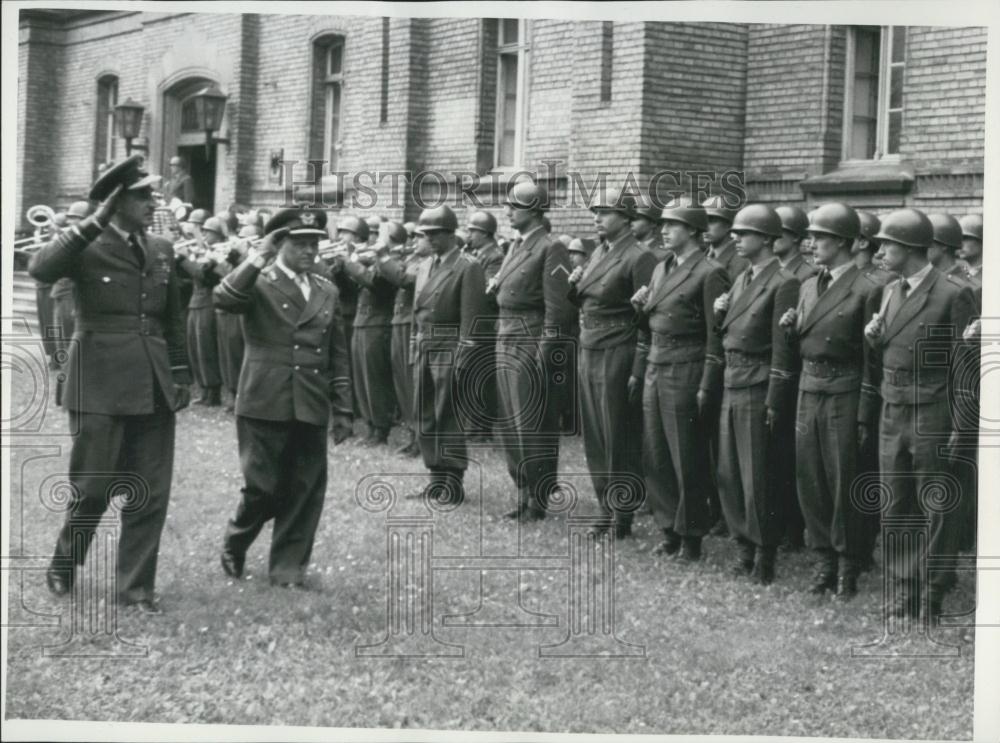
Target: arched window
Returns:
[[105, 139], [327, 100]]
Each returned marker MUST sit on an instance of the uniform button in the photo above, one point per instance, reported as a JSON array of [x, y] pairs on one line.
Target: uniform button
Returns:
[[315, 371], [296, 368], [318, 350], [106, 279], [827, 340], [144, 295], [284, 306], [296, 348]]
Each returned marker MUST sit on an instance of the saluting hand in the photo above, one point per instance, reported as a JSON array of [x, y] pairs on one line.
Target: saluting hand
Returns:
[[107, 207], [640, 298], [576, 275], [261, 255]]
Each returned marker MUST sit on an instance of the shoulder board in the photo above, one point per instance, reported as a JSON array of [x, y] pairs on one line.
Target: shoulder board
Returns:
[[870, 278], [321, 278], [960, 281]]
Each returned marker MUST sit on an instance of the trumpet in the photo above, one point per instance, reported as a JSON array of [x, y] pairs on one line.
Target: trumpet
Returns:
[[329, 249], [41, 216]]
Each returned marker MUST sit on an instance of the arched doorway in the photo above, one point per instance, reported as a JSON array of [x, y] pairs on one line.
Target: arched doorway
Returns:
[[180, 137]]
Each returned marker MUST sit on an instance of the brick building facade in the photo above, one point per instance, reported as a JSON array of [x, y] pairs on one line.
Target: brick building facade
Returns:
[[876, 116]]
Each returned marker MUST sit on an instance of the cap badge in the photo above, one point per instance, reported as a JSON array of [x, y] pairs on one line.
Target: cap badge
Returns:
[[308, 219]]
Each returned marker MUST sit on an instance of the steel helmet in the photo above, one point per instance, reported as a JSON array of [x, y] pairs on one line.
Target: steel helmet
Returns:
[[198, 216], [684, 211], [909, 227], [947, 230], [615, 200], [397, 232], [214, 224], [793, 220], [410, 227], [716, 207], [972, 226], [438, 219], [835, 219], [870, 224], [356, 226], [528, 195], [78, 209], [648, 212], [582, 245], [482, 221], [758, 218], [374, 224]]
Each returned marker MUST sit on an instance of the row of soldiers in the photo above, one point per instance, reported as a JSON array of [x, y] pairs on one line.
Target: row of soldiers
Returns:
[[735, 359]]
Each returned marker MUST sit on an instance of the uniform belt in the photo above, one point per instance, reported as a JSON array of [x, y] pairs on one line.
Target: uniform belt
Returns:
[[827, 369], [525, 314], [120, 324], [666, 340], [740, 358], [591, 322], [898, 377]]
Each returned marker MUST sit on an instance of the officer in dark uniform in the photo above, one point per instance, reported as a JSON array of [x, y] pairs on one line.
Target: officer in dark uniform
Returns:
[[611, 359], [683, 377], [759, 380], [371, 363], [482, 247], [449, 297], [918, 397], [646, 228], [128, 374], [721, 244], [837, 401], [531, 292], [295, 371], [400, 269]]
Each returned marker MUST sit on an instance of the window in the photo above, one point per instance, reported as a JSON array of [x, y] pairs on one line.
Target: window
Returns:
[[328, 84], [384, 101], [107, 99], [873, 110], [512, 65], [607, 58]]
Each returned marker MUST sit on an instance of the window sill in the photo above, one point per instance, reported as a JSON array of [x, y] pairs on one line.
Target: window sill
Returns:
[[863, 176]]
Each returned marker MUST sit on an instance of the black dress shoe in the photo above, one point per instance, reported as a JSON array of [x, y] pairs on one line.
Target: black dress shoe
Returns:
[[531, 514], [58, 582], [232, 565], [763, 568], [720, 529], [690, 550], [823, 582], [145, 606], [670, 544], [847, 587]]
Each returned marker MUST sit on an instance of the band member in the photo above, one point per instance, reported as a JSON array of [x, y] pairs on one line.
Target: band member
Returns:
[[837, 399], [128, 374], [610, 359], [917, 399], [531, 292], [758, 382], [683, 374], [374, 223], [294, 373], [229, 327], [448, 299], [400, 269], [202, 332]]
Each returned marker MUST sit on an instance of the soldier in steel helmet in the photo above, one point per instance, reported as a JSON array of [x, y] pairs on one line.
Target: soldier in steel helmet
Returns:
[[645, 226], [917, 399], [449, 298], [721, 243], [757, 399], [865, 247], [972, 247], [837, 409]]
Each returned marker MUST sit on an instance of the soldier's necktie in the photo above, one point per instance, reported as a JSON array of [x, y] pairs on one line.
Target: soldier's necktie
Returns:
[[303, 283], [822, 282], [137, 251], [747, 278]]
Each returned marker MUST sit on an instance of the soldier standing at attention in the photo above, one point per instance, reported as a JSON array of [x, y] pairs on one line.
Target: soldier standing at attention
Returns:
[[128, 376], [759, 379], [838, 401], [947, 243], [721, 243], [294, 373], [683, 376], [918, 398], [611, 360], [449, 296], [972, 247], [865, 247], [531, 291], [646, 228]]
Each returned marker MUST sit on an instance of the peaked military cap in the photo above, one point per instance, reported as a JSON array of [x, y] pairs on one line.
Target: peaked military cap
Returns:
[[129, 173], [298, 222]]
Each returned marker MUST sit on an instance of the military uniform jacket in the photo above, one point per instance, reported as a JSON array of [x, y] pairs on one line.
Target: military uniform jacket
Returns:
[[490, 257], [447, 302], [295, 364], [129, 319], [757, 348], [532, 288], [829, 335], [726, 256], [204, 279], [798, 267], [676, 323], [62, 288], [919, 349], [403, 276], [375, 295], [605, 291]]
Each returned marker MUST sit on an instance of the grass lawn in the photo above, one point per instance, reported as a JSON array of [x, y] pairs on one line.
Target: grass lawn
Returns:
[[720, 655]]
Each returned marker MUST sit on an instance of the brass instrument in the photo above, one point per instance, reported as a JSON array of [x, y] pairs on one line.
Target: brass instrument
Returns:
[[43, 218], [330, 249]]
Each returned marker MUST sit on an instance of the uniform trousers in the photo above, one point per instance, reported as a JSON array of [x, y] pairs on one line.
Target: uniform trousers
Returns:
[[402, 371], [918, 482], [827, 467], [747, 462], [675, 448], [284, 470], [612, 429], [203, 346], [371, 368], [435, 388], [130, 456], [229, 331]]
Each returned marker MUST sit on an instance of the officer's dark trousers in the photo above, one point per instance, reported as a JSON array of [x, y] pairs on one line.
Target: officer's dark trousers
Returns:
[[371, 368], [229, 331], [43, 306], [827, 467], [918, 481], [402, 372], [789, 510], [529, 407], [439, 432], [203, 346], [124, 455], [284, 470], [612, 426], [675, 448], [746, 463]]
